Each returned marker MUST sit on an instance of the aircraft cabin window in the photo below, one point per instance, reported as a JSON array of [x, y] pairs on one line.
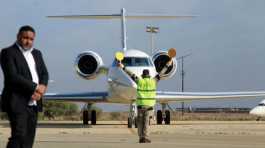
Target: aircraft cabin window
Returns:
[[127, 61], [261, 104], [141, 62], [135, 61]]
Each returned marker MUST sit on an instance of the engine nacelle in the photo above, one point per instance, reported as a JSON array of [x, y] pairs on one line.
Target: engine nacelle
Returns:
[[160, 59], [88, 64]]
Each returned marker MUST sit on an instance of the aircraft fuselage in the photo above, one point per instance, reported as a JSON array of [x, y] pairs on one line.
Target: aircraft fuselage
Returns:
[[121, 86]]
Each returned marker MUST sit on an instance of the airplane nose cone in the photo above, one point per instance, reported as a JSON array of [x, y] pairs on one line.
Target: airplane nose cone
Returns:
[[255, 111]]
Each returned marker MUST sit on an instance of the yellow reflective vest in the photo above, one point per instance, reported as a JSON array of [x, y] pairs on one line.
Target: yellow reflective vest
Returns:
[[146, 92]]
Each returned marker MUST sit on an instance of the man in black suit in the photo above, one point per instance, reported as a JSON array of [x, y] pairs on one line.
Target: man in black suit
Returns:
[[25, 82]]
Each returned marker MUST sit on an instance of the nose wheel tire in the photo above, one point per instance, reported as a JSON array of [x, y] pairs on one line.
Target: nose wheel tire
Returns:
[[130, 123], [135, 123]]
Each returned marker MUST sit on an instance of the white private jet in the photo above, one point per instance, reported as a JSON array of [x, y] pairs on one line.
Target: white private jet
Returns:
[[121, 87], [259, 110]]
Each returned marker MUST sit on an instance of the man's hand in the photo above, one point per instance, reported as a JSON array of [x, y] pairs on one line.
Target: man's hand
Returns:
[[39, 92], [36, 96], [120, 65], [165, 67], [169, 62], [41, 89]]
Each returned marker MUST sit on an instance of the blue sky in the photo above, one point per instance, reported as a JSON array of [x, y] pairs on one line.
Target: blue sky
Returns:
[[226, 40]]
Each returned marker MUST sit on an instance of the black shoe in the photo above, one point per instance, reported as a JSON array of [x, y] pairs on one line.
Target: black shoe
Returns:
[[141, 140], [147, 140]]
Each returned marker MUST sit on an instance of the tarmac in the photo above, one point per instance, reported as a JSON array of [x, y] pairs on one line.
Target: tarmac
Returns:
[[115, 134]]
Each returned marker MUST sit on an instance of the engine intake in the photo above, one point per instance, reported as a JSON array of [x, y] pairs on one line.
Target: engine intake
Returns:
[[160, 59], [87, 64]]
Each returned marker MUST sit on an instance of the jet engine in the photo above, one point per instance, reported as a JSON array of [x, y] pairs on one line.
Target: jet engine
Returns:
[[88, 64], [160, 59]]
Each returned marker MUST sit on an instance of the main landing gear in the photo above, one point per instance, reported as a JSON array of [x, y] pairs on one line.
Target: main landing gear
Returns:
[[163, 115], [89, 115]]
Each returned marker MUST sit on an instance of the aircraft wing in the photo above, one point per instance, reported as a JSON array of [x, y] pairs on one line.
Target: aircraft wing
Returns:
[[78, 97], [163, 96]]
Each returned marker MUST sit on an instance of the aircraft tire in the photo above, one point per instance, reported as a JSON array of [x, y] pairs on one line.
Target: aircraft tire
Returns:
[[93, 117], [167, 119], [135, 122], [159, 118], [85, 117], [129, 123]]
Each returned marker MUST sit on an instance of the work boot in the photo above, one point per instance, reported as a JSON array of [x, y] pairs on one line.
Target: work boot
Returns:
[[142, 140], [147, 140]]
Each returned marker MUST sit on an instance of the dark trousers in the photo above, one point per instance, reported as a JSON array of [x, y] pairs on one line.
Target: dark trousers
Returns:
[[23, 128]]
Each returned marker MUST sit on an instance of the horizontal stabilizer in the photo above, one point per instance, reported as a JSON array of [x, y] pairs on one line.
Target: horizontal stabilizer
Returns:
[[118, 16]]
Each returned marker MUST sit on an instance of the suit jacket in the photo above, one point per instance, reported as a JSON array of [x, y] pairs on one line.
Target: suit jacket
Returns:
[[18, 84]]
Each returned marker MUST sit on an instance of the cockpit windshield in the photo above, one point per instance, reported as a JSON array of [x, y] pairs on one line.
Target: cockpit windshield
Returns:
[[262, 104], [135, 61]]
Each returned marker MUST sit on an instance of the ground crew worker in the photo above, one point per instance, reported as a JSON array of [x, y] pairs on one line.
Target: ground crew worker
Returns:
[[146, 93]]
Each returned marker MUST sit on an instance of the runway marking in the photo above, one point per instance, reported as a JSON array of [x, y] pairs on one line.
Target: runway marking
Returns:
[[130, 129]]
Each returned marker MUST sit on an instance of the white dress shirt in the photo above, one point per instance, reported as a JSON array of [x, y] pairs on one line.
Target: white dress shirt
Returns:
[[32, 67]]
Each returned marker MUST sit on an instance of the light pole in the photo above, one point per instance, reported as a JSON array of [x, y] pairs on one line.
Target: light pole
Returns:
[[182, 77], [152, 30]]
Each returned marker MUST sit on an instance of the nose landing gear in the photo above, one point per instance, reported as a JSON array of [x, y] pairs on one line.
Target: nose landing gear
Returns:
[[132, 117]]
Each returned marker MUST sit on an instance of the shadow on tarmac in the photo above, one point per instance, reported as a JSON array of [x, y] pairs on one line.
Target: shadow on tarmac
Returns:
[[66, 124]]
